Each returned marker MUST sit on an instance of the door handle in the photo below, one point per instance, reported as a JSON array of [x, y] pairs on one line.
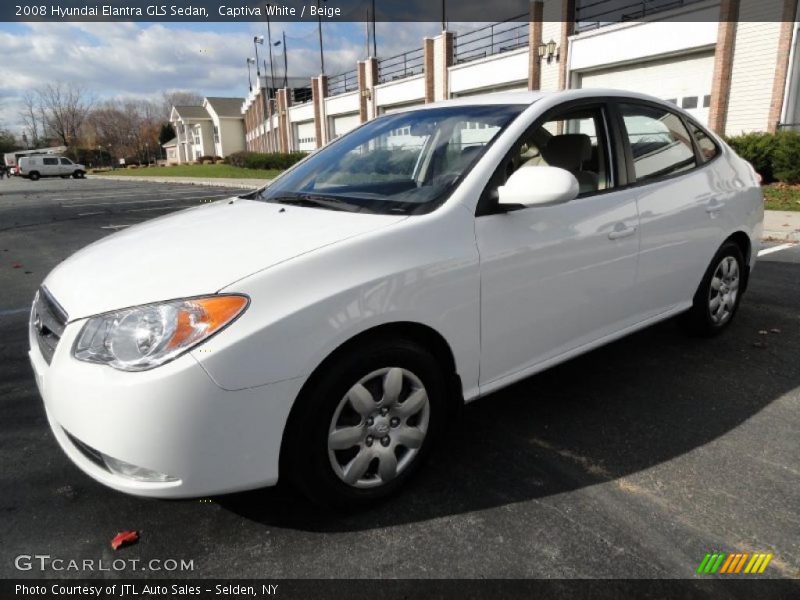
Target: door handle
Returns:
[[623, 232], [714, 207]]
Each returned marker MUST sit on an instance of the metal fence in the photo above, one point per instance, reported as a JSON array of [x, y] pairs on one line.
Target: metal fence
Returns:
[[492, 39], [301, 95], [592, 14], [343, 82], [401, 66]]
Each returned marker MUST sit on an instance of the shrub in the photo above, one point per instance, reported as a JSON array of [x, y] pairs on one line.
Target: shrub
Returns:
[[273, 160], [758, 149], [786, 159]]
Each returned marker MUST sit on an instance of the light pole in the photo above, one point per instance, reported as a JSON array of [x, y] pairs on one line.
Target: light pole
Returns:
[[285, 63], [269, 39], [321, 54], [250, 61], [258, 41]]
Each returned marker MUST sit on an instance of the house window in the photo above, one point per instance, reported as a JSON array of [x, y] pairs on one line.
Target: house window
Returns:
[[216, 134], [706, 100], [689, 102]]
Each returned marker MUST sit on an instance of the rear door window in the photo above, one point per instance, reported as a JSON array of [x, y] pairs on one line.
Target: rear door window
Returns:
[[659, 142]]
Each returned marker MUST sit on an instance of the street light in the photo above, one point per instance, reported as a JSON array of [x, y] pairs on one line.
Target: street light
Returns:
[[258, 40], [250, 61]]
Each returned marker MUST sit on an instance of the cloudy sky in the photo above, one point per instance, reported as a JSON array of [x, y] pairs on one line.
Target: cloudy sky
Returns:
[[146, 59]]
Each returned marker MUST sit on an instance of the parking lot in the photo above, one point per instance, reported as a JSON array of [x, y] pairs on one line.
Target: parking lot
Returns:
[[632, 461]]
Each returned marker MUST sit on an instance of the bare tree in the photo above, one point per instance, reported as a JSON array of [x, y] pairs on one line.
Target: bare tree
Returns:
[[178, 98], [30, 116], [65, 108]]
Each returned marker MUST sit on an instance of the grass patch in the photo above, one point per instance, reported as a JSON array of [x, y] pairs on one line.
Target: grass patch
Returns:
[[780, 196], [202, 171]]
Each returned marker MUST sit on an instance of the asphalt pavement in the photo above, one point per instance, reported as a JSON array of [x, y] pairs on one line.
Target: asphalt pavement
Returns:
[[634, 460]]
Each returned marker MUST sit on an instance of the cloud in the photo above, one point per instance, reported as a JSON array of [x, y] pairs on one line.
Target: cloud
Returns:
[[124, 59]]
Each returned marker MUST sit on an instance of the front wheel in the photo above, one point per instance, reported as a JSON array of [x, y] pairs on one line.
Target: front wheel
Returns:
[[365, 425], [717, 299], [79, 174]]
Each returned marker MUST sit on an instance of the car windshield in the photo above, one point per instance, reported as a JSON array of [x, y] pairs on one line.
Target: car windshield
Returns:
[[405, 163]]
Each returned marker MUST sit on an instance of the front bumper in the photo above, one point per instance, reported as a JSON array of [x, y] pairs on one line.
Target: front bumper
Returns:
[[172, 419]]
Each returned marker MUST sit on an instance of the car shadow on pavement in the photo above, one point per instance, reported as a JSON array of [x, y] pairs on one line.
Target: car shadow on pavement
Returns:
[[643, 400]]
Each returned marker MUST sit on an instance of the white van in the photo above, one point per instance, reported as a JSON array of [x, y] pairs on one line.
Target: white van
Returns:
[[34, 167]]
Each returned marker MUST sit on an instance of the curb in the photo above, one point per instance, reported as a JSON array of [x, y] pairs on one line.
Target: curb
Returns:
[[213, 182]]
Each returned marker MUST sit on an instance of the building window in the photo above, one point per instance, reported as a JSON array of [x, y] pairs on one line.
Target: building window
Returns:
[[672, 101], [706, 100], [216, 134], [689, 102]]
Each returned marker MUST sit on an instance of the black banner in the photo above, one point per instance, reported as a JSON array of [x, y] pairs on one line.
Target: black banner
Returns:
[[406, 589], [583, 11]]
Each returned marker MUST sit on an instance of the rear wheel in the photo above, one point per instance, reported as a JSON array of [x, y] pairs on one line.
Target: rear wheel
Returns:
[[717, 299], [364, 426], [34, 176]]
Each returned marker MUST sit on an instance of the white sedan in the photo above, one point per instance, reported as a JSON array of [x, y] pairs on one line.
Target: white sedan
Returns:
[[326, 328]]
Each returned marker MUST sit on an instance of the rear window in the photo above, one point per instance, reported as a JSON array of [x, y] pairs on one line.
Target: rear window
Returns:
[[706, 145]]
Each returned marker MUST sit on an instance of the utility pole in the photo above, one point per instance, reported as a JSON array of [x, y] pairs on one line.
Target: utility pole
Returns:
[[258, 40], [444, 15]]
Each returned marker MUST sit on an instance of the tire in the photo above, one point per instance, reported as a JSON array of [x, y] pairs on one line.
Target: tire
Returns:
[[79, 174], [717, 298], [342, 471], [64, 176], [34, 176]]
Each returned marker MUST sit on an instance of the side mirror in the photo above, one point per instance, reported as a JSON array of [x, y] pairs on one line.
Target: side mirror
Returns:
[[537, 185]]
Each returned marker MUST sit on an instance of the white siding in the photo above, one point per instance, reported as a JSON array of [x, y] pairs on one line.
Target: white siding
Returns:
[[754, 61], [487, 73]]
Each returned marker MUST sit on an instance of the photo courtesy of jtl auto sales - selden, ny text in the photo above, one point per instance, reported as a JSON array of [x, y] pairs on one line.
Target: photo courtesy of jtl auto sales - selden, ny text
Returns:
[[420, 300]]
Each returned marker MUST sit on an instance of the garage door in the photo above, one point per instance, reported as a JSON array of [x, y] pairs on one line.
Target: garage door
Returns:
[[341, 124], [305, 136], [684, 80]]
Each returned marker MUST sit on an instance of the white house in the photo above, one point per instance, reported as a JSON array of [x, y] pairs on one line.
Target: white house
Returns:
[[215, 128]]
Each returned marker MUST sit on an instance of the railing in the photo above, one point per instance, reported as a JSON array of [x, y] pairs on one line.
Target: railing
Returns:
[[592, 14], [344, 82], [789, 126], [301, 95], [492, 39], [401, 66]]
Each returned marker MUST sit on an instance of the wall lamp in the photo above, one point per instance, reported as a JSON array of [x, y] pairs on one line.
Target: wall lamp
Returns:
[[550, 51]]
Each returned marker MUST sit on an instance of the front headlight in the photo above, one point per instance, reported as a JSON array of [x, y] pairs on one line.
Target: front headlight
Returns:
[[143, 337]]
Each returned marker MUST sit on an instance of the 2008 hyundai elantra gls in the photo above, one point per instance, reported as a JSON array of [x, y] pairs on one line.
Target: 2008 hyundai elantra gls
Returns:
[[325, 329]]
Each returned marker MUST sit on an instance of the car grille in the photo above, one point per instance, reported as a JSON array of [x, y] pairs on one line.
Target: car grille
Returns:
[[48, 320]]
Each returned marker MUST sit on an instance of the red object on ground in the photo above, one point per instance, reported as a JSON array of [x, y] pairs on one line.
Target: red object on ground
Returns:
[[124, 538], [17, 266]]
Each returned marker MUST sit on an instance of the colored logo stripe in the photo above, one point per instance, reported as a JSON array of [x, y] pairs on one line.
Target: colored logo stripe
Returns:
[[734, 563]]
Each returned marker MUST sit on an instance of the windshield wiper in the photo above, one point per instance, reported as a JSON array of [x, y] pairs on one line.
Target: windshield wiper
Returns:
[[315, 200]]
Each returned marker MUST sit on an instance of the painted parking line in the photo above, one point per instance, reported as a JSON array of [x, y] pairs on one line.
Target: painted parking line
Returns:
[[147, 192], [778, 248], [207, 196]]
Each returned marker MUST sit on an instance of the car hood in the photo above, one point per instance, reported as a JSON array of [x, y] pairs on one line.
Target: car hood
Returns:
[[197, 251]]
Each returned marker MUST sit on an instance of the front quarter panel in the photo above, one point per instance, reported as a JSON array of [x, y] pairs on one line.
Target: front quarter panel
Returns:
[[422, 270]]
